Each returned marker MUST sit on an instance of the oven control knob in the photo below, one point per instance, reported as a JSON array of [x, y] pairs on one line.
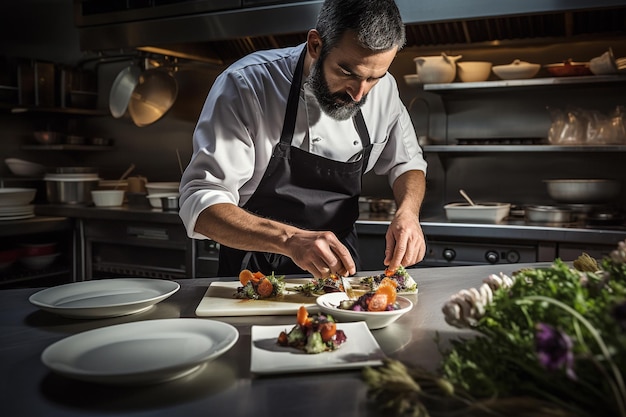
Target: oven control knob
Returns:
[[449, 254], [492, 257], [512, 256]]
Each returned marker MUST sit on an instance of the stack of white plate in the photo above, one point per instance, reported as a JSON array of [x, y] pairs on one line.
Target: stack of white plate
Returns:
[[15, 203], [17, 212]]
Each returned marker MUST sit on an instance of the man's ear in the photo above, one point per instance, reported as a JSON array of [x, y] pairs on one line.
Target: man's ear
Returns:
[[314, 44]]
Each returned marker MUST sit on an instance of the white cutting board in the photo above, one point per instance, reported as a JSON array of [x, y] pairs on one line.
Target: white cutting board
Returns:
[[219, 300]]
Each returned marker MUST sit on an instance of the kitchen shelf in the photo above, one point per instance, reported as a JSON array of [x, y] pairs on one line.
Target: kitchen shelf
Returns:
[[60, 110], [65, 147], [521, 148], [533, 82]]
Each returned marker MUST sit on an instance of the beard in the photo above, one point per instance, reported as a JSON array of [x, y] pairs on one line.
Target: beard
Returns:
[[339, 106]]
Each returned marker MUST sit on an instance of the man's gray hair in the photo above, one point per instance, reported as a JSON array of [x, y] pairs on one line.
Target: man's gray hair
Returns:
[[377, 24]]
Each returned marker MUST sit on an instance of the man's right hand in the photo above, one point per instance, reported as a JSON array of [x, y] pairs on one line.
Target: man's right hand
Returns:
[[320, 253]]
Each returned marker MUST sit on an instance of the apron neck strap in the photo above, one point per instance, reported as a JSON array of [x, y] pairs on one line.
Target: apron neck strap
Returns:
[[289, 124]]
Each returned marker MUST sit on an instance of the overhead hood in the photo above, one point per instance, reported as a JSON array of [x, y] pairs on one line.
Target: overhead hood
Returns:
[[225, 30]]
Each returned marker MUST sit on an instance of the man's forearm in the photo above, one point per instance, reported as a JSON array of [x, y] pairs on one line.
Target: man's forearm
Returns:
[[408, 190], [233, 226]]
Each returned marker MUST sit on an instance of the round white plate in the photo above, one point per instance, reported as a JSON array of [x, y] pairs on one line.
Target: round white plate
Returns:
[[105, 297], [23, 216], [17, 210], [144, 352], [329, 303]]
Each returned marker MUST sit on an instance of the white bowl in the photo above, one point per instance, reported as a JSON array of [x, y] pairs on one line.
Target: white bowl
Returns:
[[155, 199], [24, 168], [38, 262], [162, 187], [412, 80], [17, 196], [473, 71], [107, 198], [517, 70], [483, 213], [329, 303]]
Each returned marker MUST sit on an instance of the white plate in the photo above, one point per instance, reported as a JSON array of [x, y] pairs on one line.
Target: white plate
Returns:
[[23, 216], [105, 297], [17, 210], [375, 319], [142, 352], [267, 357], [219, 300]]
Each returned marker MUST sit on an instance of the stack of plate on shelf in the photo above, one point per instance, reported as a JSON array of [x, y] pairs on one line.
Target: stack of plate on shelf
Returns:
[[17, 212], [15, 203]]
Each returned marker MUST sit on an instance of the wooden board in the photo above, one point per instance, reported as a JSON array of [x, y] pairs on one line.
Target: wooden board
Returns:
[[219, 300]]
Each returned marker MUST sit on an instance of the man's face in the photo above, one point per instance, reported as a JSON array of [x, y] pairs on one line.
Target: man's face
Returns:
[[342, 79]]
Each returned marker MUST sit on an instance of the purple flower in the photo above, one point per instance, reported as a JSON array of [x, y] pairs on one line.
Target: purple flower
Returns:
[[554, 349], [619, 314]]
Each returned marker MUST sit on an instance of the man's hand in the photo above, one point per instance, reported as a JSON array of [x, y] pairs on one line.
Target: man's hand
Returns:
[[404, 239], [320, 253]]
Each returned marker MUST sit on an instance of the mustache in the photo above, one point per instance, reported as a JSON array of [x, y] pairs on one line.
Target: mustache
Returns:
[[344, 100]]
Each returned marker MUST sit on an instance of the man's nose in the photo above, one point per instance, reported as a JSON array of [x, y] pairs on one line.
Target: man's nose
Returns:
[[357, 89]]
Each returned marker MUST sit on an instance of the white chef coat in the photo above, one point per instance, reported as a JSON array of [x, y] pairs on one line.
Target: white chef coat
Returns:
[[242, 119]]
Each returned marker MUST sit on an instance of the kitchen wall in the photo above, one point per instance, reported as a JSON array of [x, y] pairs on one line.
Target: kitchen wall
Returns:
[[43, 29]]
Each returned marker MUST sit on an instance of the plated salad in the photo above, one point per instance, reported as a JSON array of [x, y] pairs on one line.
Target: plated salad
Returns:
[[405, 283], [383, 299], [315, 333], [256, 285]]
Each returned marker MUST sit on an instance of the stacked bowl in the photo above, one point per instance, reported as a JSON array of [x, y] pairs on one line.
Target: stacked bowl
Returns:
[[15, 203], [162, 191]]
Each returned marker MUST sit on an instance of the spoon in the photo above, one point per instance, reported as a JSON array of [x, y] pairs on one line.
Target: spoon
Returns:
[[124, 175], [466, 197]]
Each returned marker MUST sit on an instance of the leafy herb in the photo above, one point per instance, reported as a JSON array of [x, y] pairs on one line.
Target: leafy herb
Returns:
[[554, 337]]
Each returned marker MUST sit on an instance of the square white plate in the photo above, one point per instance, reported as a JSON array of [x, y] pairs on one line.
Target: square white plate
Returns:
[[359, 350]]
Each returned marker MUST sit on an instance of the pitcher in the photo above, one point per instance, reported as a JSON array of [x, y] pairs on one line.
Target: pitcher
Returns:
[[436, 69]]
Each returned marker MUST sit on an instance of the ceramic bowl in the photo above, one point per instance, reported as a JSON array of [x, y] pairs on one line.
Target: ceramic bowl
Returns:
[[517, 70], [156, 200], [473, 71], [17, 196], [328, 303], [162, 187], [107, 198], [23, 168], [39, 262], [412, 80], [38, 249], [481, 213], [568, 68]]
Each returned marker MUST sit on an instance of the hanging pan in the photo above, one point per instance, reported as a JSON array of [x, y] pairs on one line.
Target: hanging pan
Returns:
[[122, 89], [153, 96]]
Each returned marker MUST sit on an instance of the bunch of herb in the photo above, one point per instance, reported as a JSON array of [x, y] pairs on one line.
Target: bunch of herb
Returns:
[[555, 335]]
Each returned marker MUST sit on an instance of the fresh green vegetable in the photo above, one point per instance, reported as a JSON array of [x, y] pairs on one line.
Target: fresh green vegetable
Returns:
[[549, 342]]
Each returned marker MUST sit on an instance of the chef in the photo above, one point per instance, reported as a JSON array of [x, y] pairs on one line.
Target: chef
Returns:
[[283, 141]]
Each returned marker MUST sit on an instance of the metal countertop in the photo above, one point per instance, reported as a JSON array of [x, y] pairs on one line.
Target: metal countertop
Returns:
[[367, 224]]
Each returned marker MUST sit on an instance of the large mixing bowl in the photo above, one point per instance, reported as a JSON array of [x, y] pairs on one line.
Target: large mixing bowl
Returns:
[[587, 191]]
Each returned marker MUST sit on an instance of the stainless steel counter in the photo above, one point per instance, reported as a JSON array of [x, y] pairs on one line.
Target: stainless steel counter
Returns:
[[509, 230], [224, 387], [377, 224], [124, 213]]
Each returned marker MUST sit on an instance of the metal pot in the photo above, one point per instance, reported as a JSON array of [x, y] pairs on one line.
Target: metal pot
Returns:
[[574, 191], [548, 214], [70, 190], [153, 97]]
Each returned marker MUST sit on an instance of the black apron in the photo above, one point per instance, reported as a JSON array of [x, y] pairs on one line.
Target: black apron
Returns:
[[305, 190]]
